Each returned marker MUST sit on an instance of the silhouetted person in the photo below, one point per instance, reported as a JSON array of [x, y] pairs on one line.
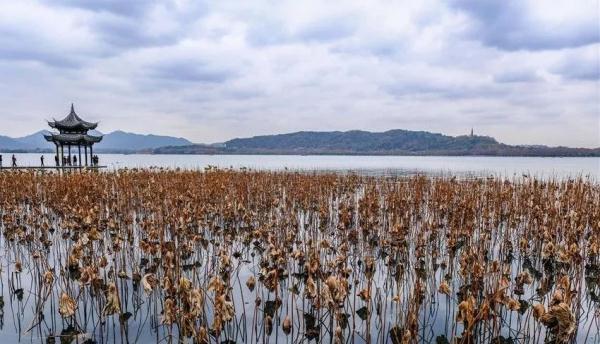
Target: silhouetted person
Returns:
[[56, 160], [75, 160], [42, 160], [14, 161], [0, 160]]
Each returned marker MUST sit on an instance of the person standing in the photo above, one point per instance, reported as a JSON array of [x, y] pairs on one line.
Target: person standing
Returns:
[[56, 160], [75, 160], [42, 160], [14, 161], [0, 160]]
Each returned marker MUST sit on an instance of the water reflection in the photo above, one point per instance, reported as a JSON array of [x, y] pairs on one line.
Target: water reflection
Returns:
[[225, 256]]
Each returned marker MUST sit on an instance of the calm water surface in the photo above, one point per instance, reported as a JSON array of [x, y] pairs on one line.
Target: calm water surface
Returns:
[[386, 165]]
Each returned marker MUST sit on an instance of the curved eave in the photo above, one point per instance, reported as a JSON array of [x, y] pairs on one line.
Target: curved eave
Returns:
[[73, 138], [78, 126], [95, 139]]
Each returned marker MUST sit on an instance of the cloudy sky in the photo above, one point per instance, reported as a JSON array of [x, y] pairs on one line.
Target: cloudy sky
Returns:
[[524, 72]]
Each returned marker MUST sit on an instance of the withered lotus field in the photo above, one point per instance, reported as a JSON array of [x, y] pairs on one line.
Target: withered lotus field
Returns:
[[223, 256]]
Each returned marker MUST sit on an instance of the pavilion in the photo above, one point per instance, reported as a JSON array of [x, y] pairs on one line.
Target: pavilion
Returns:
[[73, 131]]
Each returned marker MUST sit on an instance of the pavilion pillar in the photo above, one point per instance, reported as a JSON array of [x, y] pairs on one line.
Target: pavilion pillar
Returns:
[[56, 159], [69, 162], [62, 155], [85, 149], [92, 154]]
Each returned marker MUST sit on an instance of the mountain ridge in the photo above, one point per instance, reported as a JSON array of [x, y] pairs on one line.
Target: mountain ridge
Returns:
[[352, 142], [359, 142], [118, 139], [114, 142]]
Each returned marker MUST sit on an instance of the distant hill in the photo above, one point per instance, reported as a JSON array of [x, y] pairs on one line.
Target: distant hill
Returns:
[[355, 142], [123, 141], [8, 143], [35, 140], [362, 141], [393, 142], [117, 141]]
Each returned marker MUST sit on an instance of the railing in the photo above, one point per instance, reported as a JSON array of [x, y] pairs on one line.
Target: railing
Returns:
[[52, 167]]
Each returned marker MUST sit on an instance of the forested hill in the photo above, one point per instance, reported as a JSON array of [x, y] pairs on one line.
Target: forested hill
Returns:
[[393, 142], [361, 141]]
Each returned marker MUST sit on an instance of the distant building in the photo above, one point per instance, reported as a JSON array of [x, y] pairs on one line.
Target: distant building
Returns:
[[73, 131]]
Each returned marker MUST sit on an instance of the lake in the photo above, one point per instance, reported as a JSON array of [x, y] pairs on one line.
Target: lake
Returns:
[[375, 165], [172, 252]]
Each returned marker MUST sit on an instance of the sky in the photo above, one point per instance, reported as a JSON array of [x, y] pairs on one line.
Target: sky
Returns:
[[524, 72]]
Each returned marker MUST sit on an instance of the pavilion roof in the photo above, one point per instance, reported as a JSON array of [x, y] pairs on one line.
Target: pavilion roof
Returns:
[[72, 122], [72, 138]]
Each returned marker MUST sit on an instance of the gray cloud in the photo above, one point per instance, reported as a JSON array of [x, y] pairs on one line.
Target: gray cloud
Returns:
[[124, 25], [385, 47], [123, 33], [274, 31], [191, 71], [129, 8], [510, 76], [12, 48], [328, 30], [509, 25], [267, 32], [429, 90], [579, 68]]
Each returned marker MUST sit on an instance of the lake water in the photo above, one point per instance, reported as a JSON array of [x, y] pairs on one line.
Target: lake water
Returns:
[[20, 291], [376, 165]]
